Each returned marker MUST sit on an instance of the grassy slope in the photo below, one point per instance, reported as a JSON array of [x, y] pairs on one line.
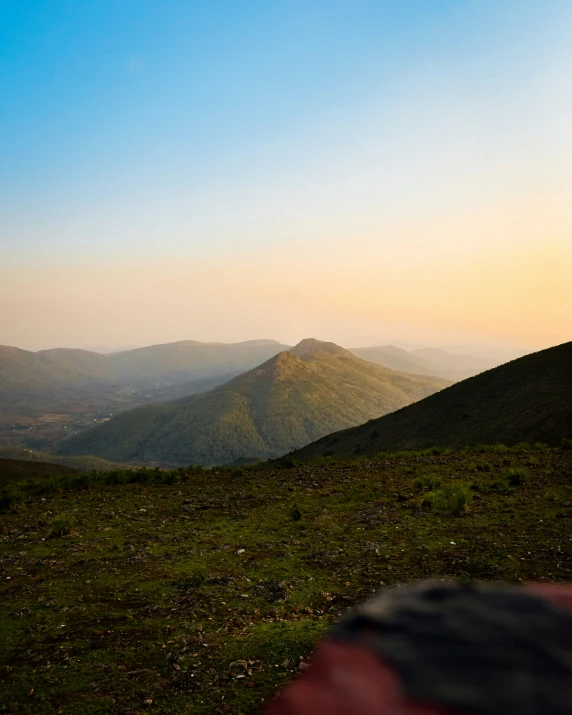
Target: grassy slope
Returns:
[[13, 470], [74, 387], [148, 598], [527, 399], [84, 462], [288, 401]]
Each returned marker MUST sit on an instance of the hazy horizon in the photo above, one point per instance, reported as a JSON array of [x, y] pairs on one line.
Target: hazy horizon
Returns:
[[366, 173], [485, 350]]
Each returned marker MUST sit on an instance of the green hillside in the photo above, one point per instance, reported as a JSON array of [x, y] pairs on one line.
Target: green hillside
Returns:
[[82, 462], [288, 401], [45, 396], [22, 370], [528, 399]]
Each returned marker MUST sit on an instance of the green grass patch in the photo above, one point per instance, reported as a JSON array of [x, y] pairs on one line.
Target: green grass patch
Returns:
[[168, 586]]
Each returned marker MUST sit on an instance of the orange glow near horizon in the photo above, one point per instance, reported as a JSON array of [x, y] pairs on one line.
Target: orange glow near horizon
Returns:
[[422, 193], [513, 287]]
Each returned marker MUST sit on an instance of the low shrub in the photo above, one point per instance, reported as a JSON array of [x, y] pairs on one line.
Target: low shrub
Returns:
[[550, 495], [142, 476], [499, 448], [9, 497], [61, 526], [116, 478], [440, 451], [521, 447], [428, 483], [171, 477], [498, 486], [196, 578], [515, 477], [295, 513], [84, 481], [287, 463], [38, 487], [452, 499]]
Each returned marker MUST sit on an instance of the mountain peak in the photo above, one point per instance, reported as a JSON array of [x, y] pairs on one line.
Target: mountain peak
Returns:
[[308, 346], [286, 402]]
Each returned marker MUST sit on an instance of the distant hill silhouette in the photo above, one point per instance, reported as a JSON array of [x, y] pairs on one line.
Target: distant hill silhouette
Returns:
[[288, 401], [173, 362], [526, 400], [427, 361], [43, 394]]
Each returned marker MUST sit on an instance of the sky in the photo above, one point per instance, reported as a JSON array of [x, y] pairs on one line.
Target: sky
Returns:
[[363, 171]]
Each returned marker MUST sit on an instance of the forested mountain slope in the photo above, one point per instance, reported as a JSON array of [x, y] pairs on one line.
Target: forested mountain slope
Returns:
[[290, 400]]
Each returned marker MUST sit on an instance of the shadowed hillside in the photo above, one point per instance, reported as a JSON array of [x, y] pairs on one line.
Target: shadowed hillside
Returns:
[[526, 400], [82, 462], [15, 470], [290, 400]]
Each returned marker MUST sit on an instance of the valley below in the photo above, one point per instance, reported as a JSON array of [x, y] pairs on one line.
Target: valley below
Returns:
[[42, 421]]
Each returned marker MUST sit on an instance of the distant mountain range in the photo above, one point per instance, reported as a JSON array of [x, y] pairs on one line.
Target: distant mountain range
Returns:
[[44, 395], [427, 361], [47, 395], [286, 402], [189, 360], [173, 362], [526, 400]]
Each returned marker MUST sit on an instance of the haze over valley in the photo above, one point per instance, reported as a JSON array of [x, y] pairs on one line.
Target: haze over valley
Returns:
[[48, 395], [295, 397]]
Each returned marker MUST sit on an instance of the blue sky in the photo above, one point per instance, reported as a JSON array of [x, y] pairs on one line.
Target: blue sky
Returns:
[[216, 133]]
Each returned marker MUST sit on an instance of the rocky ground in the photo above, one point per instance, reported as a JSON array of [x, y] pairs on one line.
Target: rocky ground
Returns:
[[205, 591]]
